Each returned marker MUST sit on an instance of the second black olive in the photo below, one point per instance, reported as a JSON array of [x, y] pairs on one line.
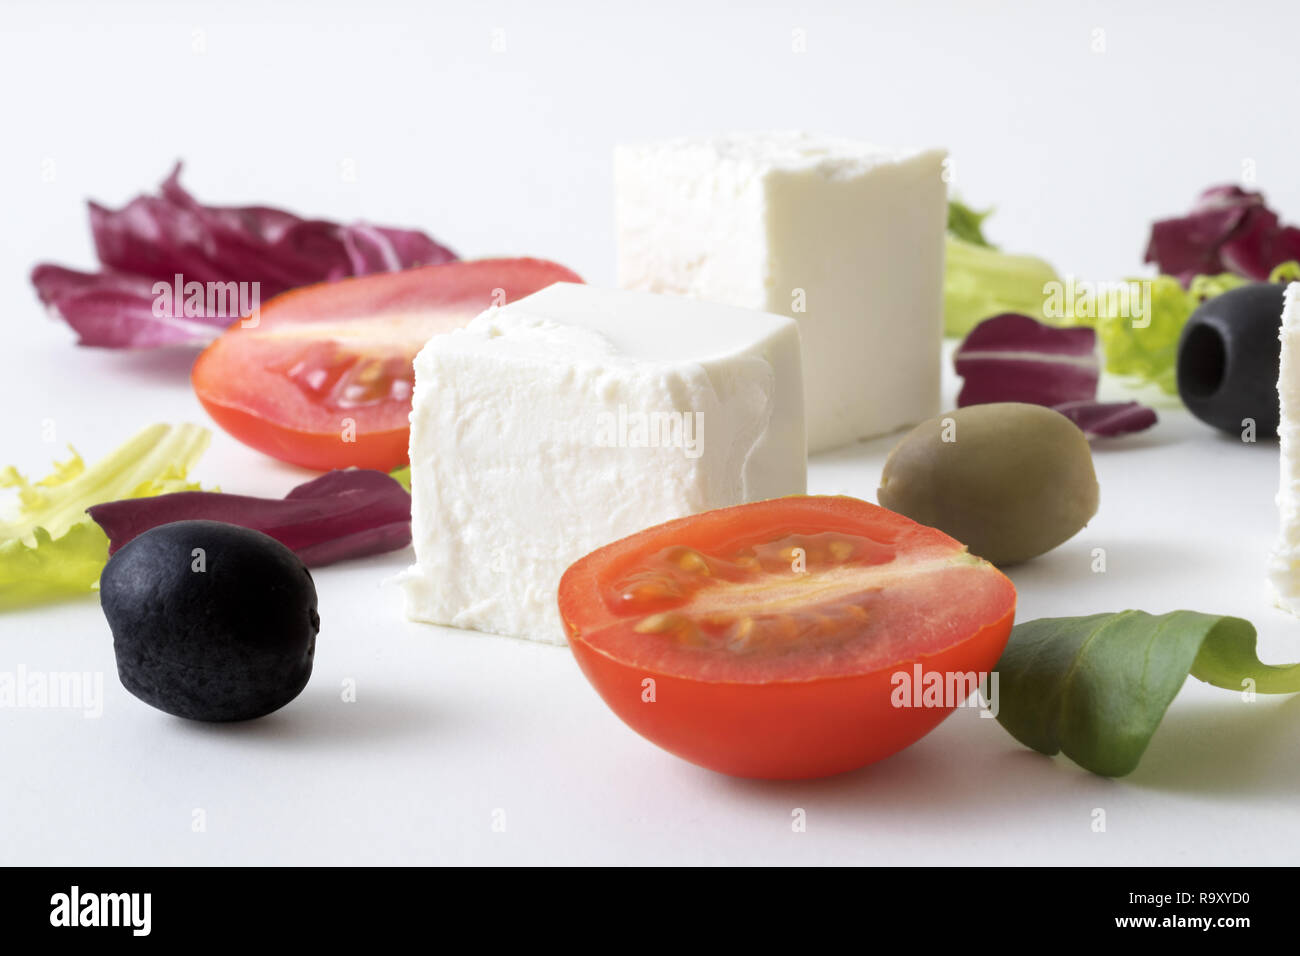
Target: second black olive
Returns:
[[1228, 359]]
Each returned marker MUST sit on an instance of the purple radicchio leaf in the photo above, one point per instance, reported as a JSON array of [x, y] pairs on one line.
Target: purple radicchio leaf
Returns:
[[172, 237], [1014, 358], [114, 309], [340, 515], [1108, 419], [1229, 229]]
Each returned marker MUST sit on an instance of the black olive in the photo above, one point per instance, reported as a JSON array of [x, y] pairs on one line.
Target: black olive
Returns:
[[1228, 359], [210, 621]]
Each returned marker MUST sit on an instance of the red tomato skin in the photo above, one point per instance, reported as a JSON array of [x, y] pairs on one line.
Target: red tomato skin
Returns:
[[773, 730], [783, 730], [320, 445], [318, 451]]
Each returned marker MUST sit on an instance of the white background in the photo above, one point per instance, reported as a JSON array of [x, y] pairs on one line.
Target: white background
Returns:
[[509, 153]]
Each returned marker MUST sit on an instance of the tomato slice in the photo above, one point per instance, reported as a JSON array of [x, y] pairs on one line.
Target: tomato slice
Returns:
[[766, 640], [324, 379]]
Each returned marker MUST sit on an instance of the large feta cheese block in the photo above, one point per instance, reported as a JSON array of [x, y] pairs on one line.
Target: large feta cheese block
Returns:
[[1284, 566], [576, 416], [846, 238]]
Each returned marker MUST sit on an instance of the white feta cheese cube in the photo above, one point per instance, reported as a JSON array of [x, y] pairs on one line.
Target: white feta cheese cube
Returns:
[[846, 238], [576, 416], [1284, 565]]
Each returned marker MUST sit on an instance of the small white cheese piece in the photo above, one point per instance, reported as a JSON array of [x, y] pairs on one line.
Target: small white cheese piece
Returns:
[[846, 238], [576, 416], [1284, 566]]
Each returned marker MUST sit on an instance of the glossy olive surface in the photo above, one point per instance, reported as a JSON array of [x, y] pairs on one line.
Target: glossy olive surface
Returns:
[[1010, 481]]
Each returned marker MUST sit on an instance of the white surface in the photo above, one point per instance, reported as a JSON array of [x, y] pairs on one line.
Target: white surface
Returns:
[[447, 727], [844, 237], [530, 414]]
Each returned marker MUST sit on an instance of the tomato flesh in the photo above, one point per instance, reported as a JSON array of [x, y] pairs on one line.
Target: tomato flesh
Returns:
[[772, 633], [324, 379]]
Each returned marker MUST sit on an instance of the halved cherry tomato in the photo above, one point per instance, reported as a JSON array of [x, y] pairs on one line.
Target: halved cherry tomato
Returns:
[[324, 378], [766, 640]]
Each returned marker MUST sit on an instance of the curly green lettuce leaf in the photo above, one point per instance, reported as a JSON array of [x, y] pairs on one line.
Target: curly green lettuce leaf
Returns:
[[51, 568], [1147, 352], [979, 282], [49, 546], [402, 476], [1096, 688], [967, 224], [1286, 272]]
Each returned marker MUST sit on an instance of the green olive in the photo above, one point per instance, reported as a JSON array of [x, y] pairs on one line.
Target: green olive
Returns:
[[1009, 481]]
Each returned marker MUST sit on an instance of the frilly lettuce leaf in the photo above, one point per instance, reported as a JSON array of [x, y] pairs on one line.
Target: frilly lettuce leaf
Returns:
[[1149, 354], [49, 547], [51, 568], [979, 282]]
